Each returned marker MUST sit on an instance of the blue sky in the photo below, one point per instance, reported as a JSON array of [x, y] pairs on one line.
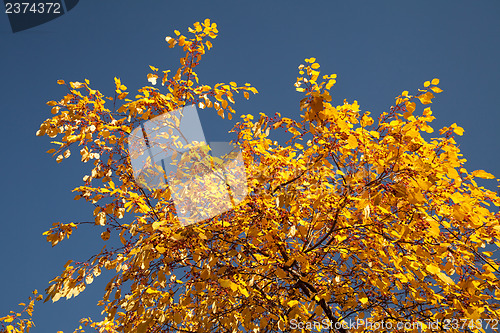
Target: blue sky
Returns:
[[378, 49]]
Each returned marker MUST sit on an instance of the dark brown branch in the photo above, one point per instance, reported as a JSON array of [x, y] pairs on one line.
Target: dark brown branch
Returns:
[[307, 288]]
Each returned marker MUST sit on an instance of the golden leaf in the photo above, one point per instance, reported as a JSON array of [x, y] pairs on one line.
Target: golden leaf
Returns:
[[89, 279], [228, 284], [458, 130], [100, 219], [437, 90], [352, 142], [445, 278], [433, 269], [105, 235], [482, 174]]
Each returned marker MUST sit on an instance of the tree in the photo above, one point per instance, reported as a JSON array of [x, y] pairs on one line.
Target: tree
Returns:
[[353, 220]]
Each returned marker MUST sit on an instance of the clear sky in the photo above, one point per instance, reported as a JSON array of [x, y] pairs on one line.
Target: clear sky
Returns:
[[377, 48]]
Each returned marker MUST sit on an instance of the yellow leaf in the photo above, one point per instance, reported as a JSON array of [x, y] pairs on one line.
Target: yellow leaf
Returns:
[[76, 85], [458, 213], [426, 98], [330, 83], [89, 279], [152, 78], [445, 278], [458, 130], [100, 219], [151, 291], [171, 41], [427, 112], [433, 269], [60, 82], [435, 81], [437, 90], [427, 83], [315, 66], [292, 303], [228, 284], [456, 197], [410, 106], [364, 300], [352, 142], [482, 174], [434, 227], [244, 291]]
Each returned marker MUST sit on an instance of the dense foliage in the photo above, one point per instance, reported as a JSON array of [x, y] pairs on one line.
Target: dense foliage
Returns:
[[353, 218]]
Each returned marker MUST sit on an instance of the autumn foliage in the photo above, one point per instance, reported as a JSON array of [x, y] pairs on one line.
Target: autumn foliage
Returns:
[[353, 217]]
